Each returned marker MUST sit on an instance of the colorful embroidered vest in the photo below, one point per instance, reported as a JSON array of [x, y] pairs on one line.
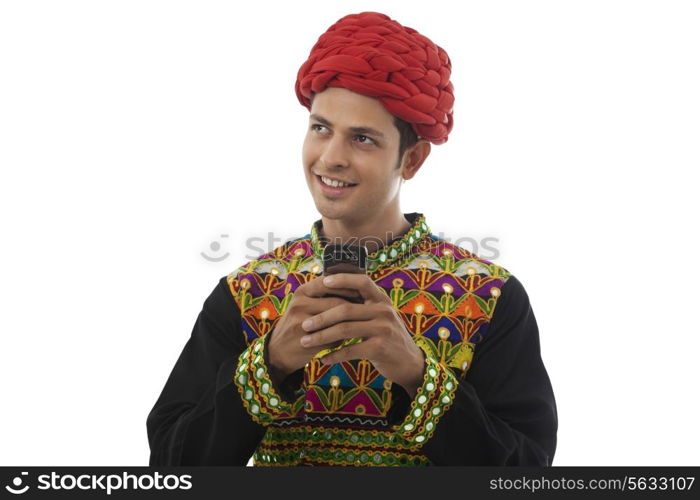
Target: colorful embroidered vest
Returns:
[[446, 297]]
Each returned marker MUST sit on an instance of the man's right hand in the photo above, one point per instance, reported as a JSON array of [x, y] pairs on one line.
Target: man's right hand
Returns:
[[286, 353]]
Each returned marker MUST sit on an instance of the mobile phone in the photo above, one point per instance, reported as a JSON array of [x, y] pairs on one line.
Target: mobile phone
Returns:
[[344, 259]]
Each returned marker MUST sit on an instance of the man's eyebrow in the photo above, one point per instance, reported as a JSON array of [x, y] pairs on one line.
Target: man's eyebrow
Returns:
[[355, 130]]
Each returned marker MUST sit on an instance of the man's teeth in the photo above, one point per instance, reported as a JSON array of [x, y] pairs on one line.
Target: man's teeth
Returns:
[[330, 182]]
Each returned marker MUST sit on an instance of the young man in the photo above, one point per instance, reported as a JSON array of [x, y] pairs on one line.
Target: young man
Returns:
[[448, 371]]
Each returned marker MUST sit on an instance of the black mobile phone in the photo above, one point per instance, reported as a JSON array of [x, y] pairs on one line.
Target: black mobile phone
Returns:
[[345, 259]]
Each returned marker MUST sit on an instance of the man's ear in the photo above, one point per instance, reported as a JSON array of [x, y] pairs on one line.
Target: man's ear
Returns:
[[414, 158]]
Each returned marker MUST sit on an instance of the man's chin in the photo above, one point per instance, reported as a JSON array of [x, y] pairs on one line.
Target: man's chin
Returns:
[[335, 212]]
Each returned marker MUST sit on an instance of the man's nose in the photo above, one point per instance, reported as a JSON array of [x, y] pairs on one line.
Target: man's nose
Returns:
[[335, 152]]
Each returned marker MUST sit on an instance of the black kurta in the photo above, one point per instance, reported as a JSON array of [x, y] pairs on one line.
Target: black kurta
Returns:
[[503, 412]]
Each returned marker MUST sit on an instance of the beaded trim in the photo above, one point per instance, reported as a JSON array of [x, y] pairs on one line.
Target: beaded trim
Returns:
[[266, 456], [255, 386], [348, 437], [335, 446], [387, 254], [432, 400]]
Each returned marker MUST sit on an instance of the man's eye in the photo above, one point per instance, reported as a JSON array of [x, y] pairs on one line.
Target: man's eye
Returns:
[[363, 138]]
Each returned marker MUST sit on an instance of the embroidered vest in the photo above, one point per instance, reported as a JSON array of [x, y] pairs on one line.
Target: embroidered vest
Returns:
[[446, 297]]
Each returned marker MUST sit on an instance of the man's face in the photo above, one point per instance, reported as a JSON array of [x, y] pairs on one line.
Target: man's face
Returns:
[[336, 146]]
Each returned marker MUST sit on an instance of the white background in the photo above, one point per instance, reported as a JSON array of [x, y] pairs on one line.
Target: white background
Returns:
[[135, 133]]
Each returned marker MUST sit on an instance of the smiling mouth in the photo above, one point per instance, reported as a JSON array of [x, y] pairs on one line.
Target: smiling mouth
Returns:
[[346, 186]]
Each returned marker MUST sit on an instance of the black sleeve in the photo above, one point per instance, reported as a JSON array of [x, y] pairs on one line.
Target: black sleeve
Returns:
[[504, 412], [199, 418]]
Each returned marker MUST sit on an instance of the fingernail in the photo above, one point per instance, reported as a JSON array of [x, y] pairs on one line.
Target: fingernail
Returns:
[[328, 280], [307, 324], [306, 339]]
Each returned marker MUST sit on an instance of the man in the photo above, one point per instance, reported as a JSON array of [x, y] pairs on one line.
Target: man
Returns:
[[448, 371]]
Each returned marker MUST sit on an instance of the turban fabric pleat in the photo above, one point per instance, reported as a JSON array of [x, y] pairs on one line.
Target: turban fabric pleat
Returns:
[[371, 54]]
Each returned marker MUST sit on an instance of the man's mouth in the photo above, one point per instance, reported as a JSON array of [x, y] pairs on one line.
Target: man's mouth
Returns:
[[333, 184]]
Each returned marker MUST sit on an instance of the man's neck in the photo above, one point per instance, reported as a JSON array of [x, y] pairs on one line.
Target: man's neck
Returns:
[[374, 233]]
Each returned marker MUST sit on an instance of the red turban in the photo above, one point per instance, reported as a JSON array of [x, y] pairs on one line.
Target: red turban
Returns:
[[371, 54]]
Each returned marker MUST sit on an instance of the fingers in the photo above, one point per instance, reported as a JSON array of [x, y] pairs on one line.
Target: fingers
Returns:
[[338, 331], [323, 304], [330, 345], [316, 288], [362, 283], [350, 297], [362, 350], [344, 312]]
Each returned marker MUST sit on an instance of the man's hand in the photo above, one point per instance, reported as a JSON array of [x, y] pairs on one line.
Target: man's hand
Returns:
[[386, 342], [286, 352]]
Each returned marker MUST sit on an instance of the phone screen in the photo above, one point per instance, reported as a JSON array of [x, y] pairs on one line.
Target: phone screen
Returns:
[[345, 259]]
